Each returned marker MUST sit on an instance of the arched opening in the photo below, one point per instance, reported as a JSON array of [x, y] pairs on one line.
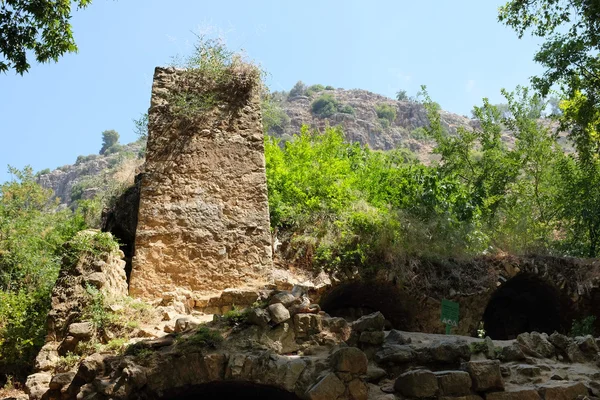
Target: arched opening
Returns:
[[354, 300], [523, 304], [229, 390]]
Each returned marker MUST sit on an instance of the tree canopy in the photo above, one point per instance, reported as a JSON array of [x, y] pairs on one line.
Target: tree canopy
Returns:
[[41, 26]]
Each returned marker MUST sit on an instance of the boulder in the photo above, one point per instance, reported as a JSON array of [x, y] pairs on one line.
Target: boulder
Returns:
[[349, 359], [81, 330], [559, 341], [186, 323], [278, 313], [327, 388], [486, 375], [536, 344], [358, 390], [512, 352], [449, 351], [285, 298], [307, 324], [395, 354], [369, 323], [59, 381], [419, 383], [372, 338], [587, 344], [259, 317], [565, 391], [453, 382], [396, 337], [37, 385]]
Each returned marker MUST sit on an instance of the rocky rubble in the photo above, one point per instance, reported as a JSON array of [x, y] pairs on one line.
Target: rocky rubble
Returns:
[[305, 351]]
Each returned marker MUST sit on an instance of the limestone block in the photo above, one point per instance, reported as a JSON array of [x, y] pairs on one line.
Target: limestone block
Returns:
[[486, 375], [349, 359], [453, 382]]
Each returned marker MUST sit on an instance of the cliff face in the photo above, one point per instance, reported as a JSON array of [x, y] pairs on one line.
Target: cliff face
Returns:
[[90, 174]]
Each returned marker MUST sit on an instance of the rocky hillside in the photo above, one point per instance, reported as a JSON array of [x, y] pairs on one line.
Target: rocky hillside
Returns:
[[360, 120], [93, 173]]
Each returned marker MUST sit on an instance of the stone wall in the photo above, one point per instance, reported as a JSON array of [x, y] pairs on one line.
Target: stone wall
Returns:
[[203, 222]]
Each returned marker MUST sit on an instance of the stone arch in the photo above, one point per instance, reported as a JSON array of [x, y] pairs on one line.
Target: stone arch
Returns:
[[222, 390], [525, 303], [351, 300]]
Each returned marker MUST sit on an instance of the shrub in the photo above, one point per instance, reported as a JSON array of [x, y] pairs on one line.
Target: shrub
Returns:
[[419, 133], [235, 316], [401, 95], [205, 337], [347, 109], [324, 106], [328, 87], [386, 111], [314, 89], [583, 327], [385, 123], [274, 117]]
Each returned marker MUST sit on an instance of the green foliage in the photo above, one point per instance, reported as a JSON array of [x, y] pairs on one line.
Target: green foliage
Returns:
[[67, 362], [214, 76], [274, 117], [583, 327], [328, 87], [314, 89], [39, 28], [346, 109], [299, 89], [324, 106], [401, 95], [32, 234], [478, 347], [235, 316], [83, 159], [386, 111], [419, 133], [141, 127], [110, 138], [43, 172], [204, 337], [384, 122]]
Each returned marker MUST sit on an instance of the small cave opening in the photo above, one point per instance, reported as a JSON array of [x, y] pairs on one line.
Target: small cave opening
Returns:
[[229, 390], [356, 299], [524, 303]]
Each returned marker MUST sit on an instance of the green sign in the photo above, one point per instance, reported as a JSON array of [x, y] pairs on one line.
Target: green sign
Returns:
[[449, 313]]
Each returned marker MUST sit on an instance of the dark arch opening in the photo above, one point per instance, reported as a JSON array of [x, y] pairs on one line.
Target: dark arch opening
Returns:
[[229, 390], [523, 304], [354, 300]]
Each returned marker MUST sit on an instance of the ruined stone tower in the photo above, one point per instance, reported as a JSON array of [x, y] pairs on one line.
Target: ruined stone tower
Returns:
[[203, 216]]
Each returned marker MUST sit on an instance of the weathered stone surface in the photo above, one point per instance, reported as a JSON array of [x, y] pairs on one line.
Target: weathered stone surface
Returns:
[[307, 324], [396, 337], [564, 391], [528, 370], [375, 373], [37, 385], [512, 352], [81, 330], [186, 323], [486, 375], [47, 357], [448, 351], [536, 344], [90, 367], [587, 344], [521, 394], [285, 298], [278, 313], [259, 316], [419, 383], [372, 338], [357, 390], [59, 381], [203, 218], [395, 354], [349, 359], [371, 323], [559, 341], [328, 388], [453, 382], [69, 295]]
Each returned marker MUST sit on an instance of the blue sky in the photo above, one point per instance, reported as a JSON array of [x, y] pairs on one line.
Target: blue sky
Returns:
[[56, 112]]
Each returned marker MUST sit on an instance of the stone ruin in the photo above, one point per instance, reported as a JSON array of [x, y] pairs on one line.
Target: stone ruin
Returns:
[[203, 245], [203, 220]]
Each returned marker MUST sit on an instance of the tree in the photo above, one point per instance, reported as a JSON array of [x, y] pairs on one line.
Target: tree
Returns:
[[299, 89], [401, 95], [570, 53], [109, 139], [40, 26]]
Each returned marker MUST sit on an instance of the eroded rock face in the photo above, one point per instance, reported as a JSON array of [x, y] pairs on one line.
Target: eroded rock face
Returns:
[[203, 216]]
